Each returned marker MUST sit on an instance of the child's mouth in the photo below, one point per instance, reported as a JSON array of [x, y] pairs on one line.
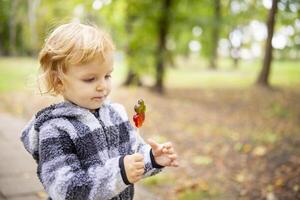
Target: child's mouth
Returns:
[[98, 98]]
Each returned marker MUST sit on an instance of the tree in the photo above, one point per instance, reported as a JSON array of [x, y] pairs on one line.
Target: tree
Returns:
[[132, 75], [287, 19], [215, 34], [236, 15], [264, 74], [163, 30], [32, 7], [9, 23], [13, 27]]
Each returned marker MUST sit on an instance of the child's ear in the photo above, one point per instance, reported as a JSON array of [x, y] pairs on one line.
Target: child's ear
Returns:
[[58, 82], [60, 85]]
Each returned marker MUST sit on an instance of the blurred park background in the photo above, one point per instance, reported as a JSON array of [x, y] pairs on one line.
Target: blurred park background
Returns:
[[221, 79]]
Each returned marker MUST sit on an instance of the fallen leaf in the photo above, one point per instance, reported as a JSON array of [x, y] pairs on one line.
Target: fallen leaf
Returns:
[[202, 160], [259, 151], [296, 188], [271, 196], [240, 177], [247, 148], [279, 182]]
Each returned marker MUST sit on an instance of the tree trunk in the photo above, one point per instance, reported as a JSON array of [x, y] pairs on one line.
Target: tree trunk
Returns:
[[1, 45], [32, 6], [236, 62], [236, 58], [163, 28], [215, 34], [132, 76], [13, 28], [263, 79], [132, 79]]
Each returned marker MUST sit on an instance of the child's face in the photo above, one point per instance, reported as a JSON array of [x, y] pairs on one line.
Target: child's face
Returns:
[[88, 85]]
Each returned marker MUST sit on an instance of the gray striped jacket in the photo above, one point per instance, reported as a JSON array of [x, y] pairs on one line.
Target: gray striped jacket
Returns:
[[80, 154]]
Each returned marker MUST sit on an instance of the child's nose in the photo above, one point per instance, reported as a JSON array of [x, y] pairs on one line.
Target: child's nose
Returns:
[[100, 86]]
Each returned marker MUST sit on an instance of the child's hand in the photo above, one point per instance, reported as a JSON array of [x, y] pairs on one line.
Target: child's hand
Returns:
[[134, 167], [164, 154]]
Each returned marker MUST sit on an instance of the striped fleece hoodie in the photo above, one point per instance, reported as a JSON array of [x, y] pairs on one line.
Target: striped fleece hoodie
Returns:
[[80, 154]]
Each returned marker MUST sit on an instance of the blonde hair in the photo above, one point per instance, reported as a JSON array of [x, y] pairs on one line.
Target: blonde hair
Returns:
[[70, 44]]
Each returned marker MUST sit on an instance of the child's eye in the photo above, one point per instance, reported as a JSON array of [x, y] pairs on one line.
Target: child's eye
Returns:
[[108, 76], [89, 80]]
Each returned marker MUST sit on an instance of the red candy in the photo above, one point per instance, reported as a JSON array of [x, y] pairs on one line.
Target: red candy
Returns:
[[139, 116], [138, 120]]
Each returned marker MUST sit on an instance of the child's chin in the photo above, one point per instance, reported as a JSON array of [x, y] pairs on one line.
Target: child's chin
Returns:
[[96, 106], [93, 107]]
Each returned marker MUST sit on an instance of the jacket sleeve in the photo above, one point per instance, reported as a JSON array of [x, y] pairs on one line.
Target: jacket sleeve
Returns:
[[61, 173], [151, 168]]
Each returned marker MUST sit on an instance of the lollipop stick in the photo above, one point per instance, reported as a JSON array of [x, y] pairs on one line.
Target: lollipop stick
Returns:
[[137, 139]]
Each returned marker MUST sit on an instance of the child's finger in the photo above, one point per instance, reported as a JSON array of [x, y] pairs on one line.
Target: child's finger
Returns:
[[167, 145], [135, 179], [153, 144], [138, 157], [172, 156], [140, 172], [165, 150], [139, 165], [174, 163], [168, 151], [138, 177]]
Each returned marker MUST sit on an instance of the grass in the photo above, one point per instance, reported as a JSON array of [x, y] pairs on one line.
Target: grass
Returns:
[[265, 137], [20, 73], [156, 180], [17, 73], [278, 110], [197, 195], [286, 73], [195, 74]]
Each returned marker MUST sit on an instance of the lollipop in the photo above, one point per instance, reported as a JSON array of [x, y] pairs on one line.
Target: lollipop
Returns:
[[139, 119], [139, 116]]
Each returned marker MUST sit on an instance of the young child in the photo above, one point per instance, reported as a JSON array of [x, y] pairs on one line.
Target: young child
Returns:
[[84, 146]]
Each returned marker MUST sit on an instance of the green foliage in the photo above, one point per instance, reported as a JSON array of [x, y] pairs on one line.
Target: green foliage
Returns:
[[161, 179], [8, 17], [4, 26], [202, 160], [266, 137], [198, 194], [278, 110]]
